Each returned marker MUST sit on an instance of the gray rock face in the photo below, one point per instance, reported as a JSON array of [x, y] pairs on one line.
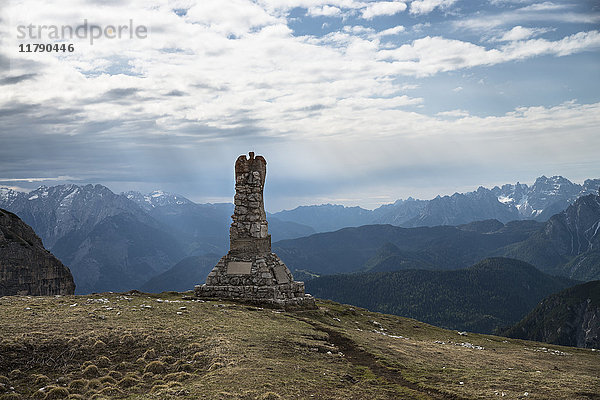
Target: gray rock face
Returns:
[[26, 267], [587, 324], [569, 244], [250, 271], [568, 318]]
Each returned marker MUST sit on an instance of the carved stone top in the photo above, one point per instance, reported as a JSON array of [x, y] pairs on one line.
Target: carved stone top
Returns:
[[249, 229], [244, 166]]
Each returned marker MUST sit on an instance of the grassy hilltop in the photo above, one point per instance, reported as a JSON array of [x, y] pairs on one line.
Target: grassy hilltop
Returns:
[[140, 346]]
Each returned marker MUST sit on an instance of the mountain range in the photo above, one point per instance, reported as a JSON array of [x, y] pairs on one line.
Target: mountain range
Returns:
[[546, 197], [108, 242], [568, 245], [115, 242], [120, 241]]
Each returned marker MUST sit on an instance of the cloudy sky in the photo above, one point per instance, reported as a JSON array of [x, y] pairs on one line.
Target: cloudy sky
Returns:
[[351, 102]]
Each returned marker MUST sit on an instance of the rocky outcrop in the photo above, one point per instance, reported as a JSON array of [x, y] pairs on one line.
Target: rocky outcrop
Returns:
[[26, 267], [250, 271], [568, 318]]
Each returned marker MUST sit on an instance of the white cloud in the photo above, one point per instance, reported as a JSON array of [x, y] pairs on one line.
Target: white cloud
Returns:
[[426, 6], [358, 30], [392, 31], [453, 113], [232, 16], [410, 87], [521, 33], [380, 8], [324, 11], [370, 33], [543, 12], [457, 89], [420, 27], [47, 179], [545, 6], [430, 55], [501, 2]]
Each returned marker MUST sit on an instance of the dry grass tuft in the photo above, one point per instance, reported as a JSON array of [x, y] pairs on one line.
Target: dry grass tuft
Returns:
[[57, 393], [103, 362], [110, 391], [157, 389], [99, 345], [128, 381], [94, 384], [108, 380], [177, 376], [156, 367], [16, 374], [149, 354], [168, 360], [10, 396], [78, 386], [39, 379], [115, 374], [91, 371]]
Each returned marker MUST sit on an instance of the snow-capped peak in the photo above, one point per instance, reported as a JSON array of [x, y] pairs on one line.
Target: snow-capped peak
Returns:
[[8, 196], [158, 193], [156, 198]]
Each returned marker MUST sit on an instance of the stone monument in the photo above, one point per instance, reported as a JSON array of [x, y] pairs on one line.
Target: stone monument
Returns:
[[250, 272]]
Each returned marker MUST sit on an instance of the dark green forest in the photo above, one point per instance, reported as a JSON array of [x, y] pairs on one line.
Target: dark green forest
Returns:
[[490, 295]]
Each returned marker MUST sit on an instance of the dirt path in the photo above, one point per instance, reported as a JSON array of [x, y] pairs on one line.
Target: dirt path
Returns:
[[358, 356]]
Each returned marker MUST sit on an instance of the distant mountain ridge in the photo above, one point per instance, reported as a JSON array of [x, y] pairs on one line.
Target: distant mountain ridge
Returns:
[[107, 241], [206, 225], [115, 242], [154, 199], [56, 211], [110, 239], [546, 197], [568, 245]]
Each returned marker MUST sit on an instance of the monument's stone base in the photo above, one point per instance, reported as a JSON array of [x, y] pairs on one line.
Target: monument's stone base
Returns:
[[287, 295], [258, 279]]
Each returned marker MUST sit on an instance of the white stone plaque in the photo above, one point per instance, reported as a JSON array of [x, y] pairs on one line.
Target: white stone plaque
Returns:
[[239, 268]]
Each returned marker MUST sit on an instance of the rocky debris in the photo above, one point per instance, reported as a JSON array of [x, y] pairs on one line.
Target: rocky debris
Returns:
[[250, 271], [26, 267], [462, 344], [547, 350]]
